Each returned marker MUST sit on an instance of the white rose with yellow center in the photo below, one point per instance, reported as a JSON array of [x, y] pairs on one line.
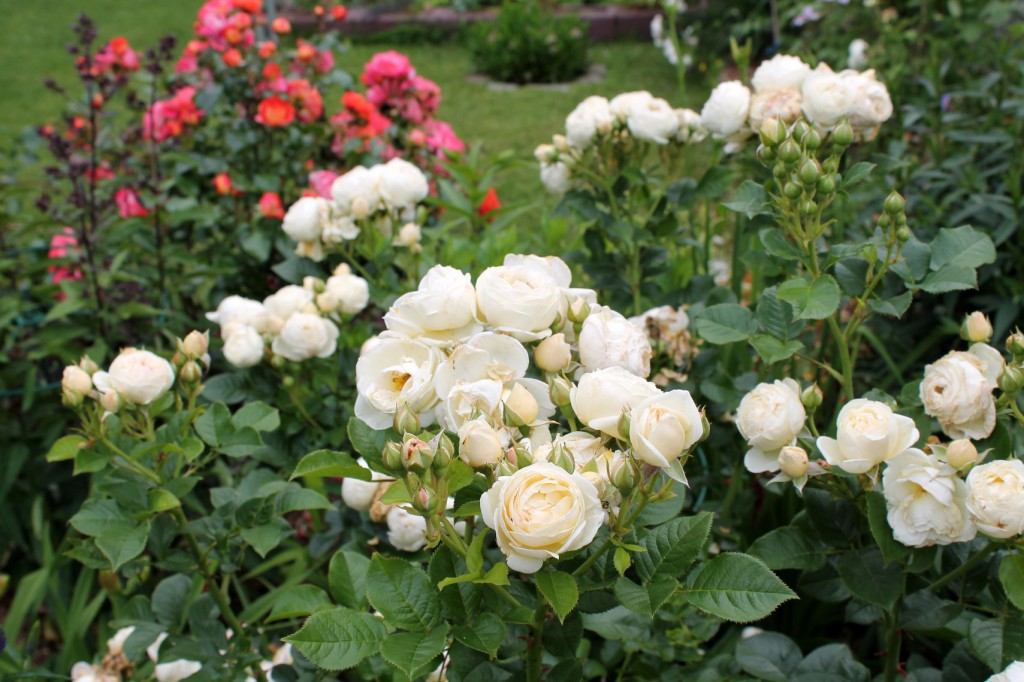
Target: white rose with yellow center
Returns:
[[392, 372], [663, 428], [995, 496], [927, 501], [770, 417], [867, 434]]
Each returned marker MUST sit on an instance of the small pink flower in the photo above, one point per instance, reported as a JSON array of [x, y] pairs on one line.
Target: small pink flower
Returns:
[[128, 203], [321, 182], [324, 61], [387, 65], [270, 206], [60, 245]]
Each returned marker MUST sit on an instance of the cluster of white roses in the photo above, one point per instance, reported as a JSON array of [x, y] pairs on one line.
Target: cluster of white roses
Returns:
[[929, 502], [135, 377], [116, 662], [458, 355], [383, 197], [596, 121], [785, 88], [296, 322]]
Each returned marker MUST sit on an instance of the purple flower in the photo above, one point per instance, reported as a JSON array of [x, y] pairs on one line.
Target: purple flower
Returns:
[[807, 15]]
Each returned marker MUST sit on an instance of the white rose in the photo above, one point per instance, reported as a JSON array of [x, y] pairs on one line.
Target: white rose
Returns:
[[601, 396], [484, 356], [927, 502], [467, 400], [244, 311], [306, 336], [537, 403], [584, 447], [339, 229], [725, 113], [358, 183], [591, 117], [867, 434], [784, 105], [654, 121], [607, 339], [553, 354], [827, 97], [175, 671], [137, 376], [781, 72], [518, 300], [479, 444], [1013, 673], [244, 348], [402, 184], [409, 236], [995, 496], [283, 656], [541, 512], [622, 105], [351, 292], [358, 494], [957, 391], [663, 428], [553, 266], [857, 54], [115, 645], [76, 380], [406, 531], [393, 372], [287, 301], [555, 177], [304, 220], [769, 418], [871, 105], [442, 309], [689, 127]]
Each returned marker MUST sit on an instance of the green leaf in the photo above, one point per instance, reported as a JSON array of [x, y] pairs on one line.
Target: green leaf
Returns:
[[776, 244], [296, 498], [459, 475], [495, 575], [855, 174], [768, 656], [950, 278], [366, 441], [646, 599], [1011, 575], [397, 493], [726, 323], [622, 560], [330, 463], [996, 644], [810, 301], [789, 547], [257, 416], [262, 538], [830, 663], [171, 599], [866, 575], [475, 555], [673, 546], [736, 587], [486, 634], [65, 448], [296, 601], [339, 638], [402, 593], [240, 443], [214, 426], [923, 610], [559, 589], [962, 246], [414, 652], [618, 623], [346, 578], [772, 350], [750, 199], [880, 530], [117, 535], [161, 500]]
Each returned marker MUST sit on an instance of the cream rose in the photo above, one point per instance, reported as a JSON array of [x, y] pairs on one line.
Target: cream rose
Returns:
[[784, 105], [653, 121], [392, 372], [76, 380], [927, 501], [304, 221], [622, 105], [137, 376], [243, 311], [689, 127], [591, 117], [359, 183], [871, 104], [607, 339], [468, 400], [867, 434], [770, 417], [781, 72], [402, 184], [957, 391], [485, 356], [1013, 673], [479, 444], [175, 671], [244, 347], [601, 397], [406, 531], [663, 428], [358, 494], [725, 113], [287, 301], [827, 96], [306, 336], [553, 354], [349, 293], [442, 309], [555, 177], [541, 512], [995, 496], [518, 300], [857, 54]]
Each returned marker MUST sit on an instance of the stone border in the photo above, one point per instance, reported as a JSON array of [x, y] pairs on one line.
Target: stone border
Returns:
[[607, 23]]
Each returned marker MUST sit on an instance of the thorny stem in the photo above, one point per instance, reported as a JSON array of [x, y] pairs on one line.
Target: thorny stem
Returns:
[[535, 652]]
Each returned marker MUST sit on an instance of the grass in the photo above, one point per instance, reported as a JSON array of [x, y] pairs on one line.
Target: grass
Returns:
[[519, 119]]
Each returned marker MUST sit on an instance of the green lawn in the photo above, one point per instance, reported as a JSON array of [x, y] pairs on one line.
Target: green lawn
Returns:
[[36, 32]]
